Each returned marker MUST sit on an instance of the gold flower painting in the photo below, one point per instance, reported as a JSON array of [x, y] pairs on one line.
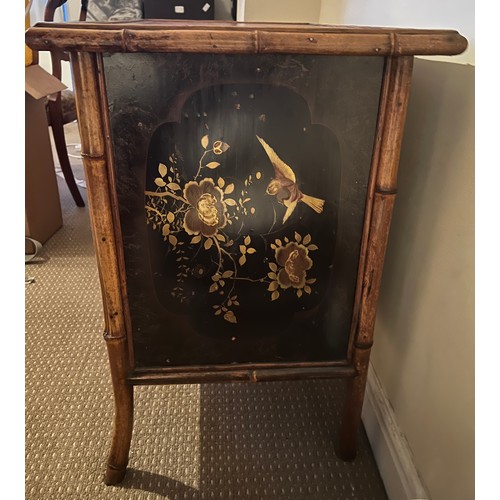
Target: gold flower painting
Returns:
[[206, 213]]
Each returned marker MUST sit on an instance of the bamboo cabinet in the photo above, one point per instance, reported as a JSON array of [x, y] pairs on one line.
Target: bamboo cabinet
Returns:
[[241, 180]]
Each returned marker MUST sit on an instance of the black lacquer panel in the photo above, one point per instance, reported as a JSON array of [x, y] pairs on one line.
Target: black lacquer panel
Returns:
[[241, 184]]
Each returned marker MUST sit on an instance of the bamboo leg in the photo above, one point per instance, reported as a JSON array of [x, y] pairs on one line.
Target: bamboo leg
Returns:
[[346, 445], [97, 159], [116, 465]]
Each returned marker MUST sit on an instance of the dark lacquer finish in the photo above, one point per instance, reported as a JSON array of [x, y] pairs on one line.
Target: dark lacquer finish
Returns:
[[221, 269], [241, 182]]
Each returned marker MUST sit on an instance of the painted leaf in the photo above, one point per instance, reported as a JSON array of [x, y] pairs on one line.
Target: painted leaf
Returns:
[[297, 237], [166, 230], [307, 239], [173, 186], [312, 247], [247, 240], [162, 169], [252, 210], [230, 202], [172, 239], [220, 182], [196, 239], [219, 311], [307, 289], [213, 288], [273, 266], [170, 217], [275, 295], [251, 250], [208, 243], [220, 237], [160, 182], [311, 281], [299, 293], [273, 246], [216, 277], [213, 164], [242, 260], [243, 249], [204, 141], [229, 189], [278, 242], [258, 175], [229, 316], [227, 274], [273, 276], [222, 282], [273, 286]]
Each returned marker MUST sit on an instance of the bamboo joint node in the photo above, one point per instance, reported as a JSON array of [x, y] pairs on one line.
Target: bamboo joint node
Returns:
[[91, 156], [113, 338], [386, 191], [363, 345]]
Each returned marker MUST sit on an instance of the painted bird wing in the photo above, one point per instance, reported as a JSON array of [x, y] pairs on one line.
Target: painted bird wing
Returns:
[[281, 168], [290, 207]]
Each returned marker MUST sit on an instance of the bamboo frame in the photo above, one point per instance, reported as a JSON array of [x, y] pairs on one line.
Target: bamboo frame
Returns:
[[87, 41], [231, 37]]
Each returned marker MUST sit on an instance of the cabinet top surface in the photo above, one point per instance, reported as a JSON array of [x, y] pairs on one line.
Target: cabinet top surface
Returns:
[[234, 37]]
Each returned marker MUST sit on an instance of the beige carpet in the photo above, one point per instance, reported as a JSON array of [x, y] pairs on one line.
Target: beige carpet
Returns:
[[219, 441]]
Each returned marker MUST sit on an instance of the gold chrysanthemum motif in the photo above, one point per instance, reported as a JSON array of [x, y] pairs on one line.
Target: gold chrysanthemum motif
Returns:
[[295, 262], [208, 211]]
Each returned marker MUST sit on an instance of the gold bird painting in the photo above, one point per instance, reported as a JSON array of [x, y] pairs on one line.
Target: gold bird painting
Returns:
[[284, 185]]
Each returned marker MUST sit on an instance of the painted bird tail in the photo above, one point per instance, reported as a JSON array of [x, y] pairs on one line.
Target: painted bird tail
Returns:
[[315, 203]]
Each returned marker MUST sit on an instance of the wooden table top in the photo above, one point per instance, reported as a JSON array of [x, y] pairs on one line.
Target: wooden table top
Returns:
[[234, 37]]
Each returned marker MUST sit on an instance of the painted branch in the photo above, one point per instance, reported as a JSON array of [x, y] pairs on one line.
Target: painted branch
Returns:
[[242, 38]]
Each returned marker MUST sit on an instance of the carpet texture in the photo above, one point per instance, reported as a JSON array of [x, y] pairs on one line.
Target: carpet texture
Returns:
[[218, 441]]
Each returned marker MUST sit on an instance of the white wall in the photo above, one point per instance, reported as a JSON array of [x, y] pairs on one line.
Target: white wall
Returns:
[[289, 11], [424, 336], [446, 14]]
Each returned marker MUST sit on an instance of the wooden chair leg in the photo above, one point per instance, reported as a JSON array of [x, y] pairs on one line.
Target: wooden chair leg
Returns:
[[116, 465], [56, 121], [346, 445]]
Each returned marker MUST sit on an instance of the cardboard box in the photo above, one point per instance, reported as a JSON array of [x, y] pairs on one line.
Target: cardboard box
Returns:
[[43, 215]]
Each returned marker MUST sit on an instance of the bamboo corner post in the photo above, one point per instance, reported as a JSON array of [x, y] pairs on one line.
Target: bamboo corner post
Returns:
[[182, 256]]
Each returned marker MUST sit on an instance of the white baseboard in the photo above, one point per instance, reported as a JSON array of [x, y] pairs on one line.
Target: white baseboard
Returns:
[[390, 448]]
